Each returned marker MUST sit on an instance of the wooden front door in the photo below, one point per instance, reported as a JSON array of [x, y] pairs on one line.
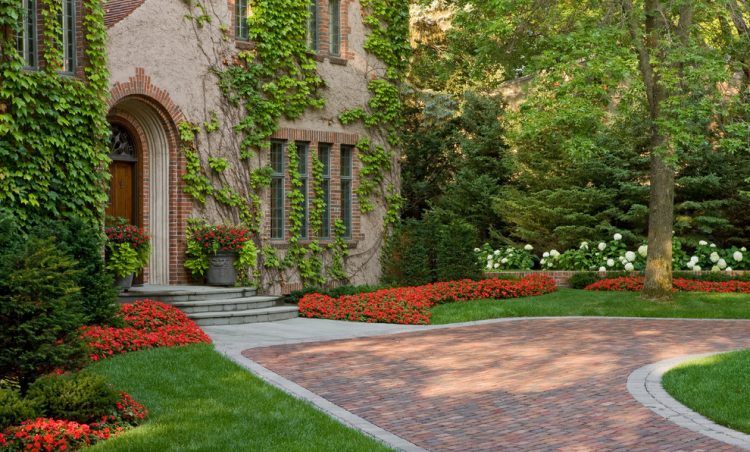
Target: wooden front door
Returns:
[[122, 195], [123, 192]]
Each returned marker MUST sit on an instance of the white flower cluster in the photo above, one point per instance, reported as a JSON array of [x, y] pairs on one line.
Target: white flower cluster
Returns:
[[613, 255]]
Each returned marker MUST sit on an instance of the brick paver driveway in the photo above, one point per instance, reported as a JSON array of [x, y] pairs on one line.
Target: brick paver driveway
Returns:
[[525, 384]]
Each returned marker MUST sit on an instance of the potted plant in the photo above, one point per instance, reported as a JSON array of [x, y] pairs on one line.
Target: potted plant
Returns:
[[213, 250], [127, 253]]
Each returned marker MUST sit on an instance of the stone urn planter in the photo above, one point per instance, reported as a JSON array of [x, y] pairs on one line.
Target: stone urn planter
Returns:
[[221, 271], [125, 282]]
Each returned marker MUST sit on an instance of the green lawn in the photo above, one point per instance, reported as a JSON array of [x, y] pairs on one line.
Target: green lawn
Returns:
[[717, 387], [567, 302], [199, 400]]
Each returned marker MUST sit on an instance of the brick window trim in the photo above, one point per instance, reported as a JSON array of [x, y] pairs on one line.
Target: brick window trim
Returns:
[[323, 52], [313, 138]]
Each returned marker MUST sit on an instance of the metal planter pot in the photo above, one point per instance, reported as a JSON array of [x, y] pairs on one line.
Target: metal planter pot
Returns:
[[124, 283], [221, 270]]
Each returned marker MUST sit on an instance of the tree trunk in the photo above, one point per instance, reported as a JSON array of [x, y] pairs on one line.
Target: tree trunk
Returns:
[[658, 282]]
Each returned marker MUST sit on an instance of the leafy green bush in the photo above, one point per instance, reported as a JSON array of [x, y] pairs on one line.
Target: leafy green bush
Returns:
[[406, 256], [423, 251], [81, 396], [40, 307], [454, 255], [85, 243], [14, 409], [583, 279]]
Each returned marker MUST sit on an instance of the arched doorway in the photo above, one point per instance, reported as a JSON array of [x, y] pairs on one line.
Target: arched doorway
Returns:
[[142, 136]]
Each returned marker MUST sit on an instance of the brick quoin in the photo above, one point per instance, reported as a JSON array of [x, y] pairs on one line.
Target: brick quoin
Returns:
[[181, 206]]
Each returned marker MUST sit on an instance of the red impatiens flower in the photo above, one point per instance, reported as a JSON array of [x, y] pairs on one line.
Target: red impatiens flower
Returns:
[[148, 324], [411, 305], [635, 284]]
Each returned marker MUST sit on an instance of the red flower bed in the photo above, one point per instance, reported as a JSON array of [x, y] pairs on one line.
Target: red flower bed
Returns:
[[635, 284], [44, 434], [411, 305], [148, 324]]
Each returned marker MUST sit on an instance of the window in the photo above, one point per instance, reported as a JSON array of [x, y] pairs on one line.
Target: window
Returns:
[[26, 37], [302, 152], [240, 20], [312, 26], [277, 190], [324, 155], [68, 19], [346, 189], [334, 28]]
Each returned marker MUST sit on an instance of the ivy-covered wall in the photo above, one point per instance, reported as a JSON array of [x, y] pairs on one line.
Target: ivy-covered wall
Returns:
[[235, 96], [53, 130]]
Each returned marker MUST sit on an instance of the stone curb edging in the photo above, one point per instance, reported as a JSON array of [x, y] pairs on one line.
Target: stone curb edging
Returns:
[[338, 413], [644, 384]]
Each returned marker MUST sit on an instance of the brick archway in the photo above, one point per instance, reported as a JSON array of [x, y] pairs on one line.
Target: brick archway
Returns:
[[150, 112]]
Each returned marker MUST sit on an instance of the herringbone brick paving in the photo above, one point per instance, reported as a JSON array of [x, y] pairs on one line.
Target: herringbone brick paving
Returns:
[[522, 385]]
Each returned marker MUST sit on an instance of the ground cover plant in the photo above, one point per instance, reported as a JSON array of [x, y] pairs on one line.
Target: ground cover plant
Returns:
[[411, 305], [715, 387], [571, 302], [199, 400]]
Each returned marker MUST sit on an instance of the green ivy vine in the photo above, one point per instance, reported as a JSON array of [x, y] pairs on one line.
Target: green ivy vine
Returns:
[[388, 23], [278, 79], [50, 168]]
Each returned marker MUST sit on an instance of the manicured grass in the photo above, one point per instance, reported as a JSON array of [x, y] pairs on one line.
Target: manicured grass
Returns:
[[199, 400], [717, 387], [570, 302]]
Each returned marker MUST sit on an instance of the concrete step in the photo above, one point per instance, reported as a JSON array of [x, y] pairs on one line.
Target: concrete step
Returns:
[[172, 294], [230, 304], [248, 316]]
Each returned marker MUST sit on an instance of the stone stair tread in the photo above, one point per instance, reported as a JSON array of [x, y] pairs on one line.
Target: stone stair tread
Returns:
[[146, 291], [248, 312], [241, 300]]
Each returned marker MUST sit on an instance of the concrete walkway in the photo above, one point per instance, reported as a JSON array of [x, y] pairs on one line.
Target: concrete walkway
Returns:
[[520, 384]]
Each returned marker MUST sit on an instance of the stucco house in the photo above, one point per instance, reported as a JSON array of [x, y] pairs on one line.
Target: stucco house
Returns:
[[163, 59]]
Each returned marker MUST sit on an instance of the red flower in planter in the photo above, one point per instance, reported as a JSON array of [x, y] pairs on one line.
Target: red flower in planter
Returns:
[[411, 305]]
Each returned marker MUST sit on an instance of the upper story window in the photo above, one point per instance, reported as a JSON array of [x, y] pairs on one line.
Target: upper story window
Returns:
[[68, 20], [313, 23], [324, 155], [277, 190], [26, 42], [240, 20], [334, 27]]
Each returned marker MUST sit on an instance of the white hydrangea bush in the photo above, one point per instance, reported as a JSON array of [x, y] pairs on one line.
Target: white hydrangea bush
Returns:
[[613, 255]]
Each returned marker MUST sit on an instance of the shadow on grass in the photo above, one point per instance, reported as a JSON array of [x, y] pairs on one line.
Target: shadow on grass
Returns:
[[199, 400]]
